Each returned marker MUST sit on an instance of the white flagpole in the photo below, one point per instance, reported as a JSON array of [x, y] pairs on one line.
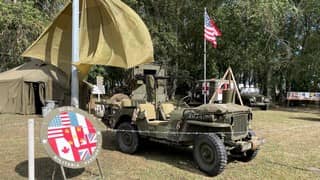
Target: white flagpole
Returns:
[[205, 63], [75, 54]]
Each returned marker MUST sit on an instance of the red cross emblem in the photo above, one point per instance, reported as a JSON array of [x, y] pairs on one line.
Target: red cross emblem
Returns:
[[205, 88]]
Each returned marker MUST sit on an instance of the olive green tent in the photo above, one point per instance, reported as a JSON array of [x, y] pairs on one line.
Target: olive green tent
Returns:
[[25, 88], [111, 34]]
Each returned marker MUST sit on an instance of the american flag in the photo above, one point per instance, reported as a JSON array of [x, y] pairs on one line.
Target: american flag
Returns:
[[58, 124], [211, 30]]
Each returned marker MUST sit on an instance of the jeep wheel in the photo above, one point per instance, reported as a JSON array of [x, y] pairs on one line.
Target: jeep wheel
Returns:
[[248, 155], [266, 107], [210, 154], [128, 140]]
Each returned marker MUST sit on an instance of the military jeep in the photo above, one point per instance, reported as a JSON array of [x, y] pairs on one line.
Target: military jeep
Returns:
[[213, 130], [252, 97]]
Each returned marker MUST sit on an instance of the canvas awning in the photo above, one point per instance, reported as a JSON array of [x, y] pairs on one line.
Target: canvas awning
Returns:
[[111, 34]]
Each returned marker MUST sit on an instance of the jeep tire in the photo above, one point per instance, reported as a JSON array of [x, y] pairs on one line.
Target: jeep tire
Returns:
[[266, 107], [248, 155], [210, 154], [127, 138]]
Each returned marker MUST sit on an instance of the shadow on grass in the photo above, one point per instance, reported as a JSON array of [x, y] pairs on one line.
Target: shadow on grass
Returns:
[[306, 118], [312, 110], [179, 157], [44, 168], [109, 141], [287, 166]]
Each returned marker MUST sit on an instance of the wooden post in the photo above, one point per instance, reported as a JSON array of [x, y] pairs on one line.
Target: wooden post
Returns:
[[237, 90], [230, 77], [31, 149]]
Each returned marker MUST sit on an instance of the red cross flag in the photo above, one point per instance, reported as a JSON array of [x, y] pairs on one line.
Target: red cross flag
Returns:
[[205, 88]]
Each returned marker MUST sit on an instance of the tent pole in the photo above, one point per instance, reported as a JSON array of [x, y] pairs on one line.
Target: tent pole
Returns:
[[75, 54]]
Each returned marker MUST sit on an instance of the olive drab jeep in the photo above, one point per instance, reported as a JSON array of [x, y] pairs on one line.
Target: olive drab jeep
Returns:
[[252, 97], [213, 130]]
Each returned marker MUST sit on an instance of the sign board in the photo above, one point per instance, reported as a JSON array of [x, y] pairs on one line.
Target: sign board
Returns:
[[99, 80], [99, 88], [70, 137], [303, 96]]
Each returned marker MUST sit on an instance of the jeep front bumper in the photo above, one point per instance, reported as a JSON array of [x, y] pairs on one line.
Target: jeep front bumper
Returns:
[[253, 144], [258, 104]]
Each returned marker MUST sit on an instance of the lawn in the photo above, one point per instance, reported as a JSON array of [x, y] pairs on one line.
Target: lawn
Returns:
[[291, 152]]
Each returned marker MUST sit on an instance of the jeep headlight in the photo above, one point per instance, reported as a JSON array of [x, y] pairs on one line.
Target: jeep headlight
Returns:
[[209, 118], [253, 99], [225, 119], [231, 121], [266, 100], [250, 116]]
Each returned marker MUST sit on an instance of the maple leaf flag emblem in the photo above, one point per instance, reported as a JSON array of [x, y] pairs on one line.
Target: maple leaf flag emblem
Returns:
[[65, 150]]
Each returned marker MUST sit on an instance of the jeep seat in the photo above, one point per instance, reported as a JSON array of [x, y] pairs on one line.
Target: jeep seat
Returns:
[[126, 103], [148, 110], [150, 114], [165, 110]]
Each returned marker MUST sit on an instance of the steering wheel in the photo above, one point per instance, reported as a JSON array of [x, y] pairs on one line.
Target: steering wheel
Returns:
[[184, 101]]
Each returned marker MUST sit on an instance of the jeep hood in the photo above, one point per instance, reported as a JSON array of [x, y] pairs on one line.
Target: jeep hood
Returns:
[[222, 108]]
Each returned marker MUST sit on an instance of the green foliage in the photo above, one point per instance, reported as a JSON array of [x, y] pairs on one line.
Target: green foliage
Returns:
[[20, 24], [269, 43], [49, 7], [272, 43], [113, 76]]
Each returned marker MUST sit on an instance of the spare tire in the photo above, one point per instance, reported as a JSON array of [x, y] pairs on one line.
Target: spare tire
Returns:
[[118, 98]]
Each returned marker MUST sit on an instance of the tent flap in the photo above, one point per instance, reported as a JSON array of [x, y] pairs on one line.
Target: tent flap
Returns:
[[111, 34]]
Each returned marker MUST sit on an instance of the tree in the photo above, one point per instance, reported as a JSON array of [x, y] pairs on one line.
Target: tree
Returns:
[[20, 24], [272, 44]]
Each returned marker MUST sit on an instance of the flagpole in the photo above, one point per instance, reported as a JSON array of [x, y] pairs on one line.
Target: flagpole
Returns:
[[205, 63], [75, 54]]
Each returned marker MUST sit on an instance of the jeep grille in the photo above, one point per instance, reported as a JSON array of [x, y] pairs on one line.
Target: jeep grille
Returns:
[[240, 125], [259, 99]]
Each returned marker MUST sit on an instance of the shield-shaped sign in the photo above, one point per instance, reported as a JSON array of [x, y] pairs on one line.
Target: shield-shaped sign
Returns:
[[70, 137]]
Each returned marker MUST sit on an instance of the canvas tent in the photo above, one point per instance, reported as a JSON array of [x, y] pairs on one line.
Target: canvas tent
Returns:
[[111, 34], [25, 88]]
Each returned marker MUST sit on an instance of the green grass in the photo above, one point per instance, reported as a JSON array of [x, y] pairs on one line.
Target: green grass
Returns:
[[291, 152]]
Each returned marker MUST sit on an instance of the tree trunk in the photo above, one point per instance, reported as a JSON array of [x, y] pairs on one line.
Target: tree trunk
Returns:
[[268, 82], [174, 83]]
